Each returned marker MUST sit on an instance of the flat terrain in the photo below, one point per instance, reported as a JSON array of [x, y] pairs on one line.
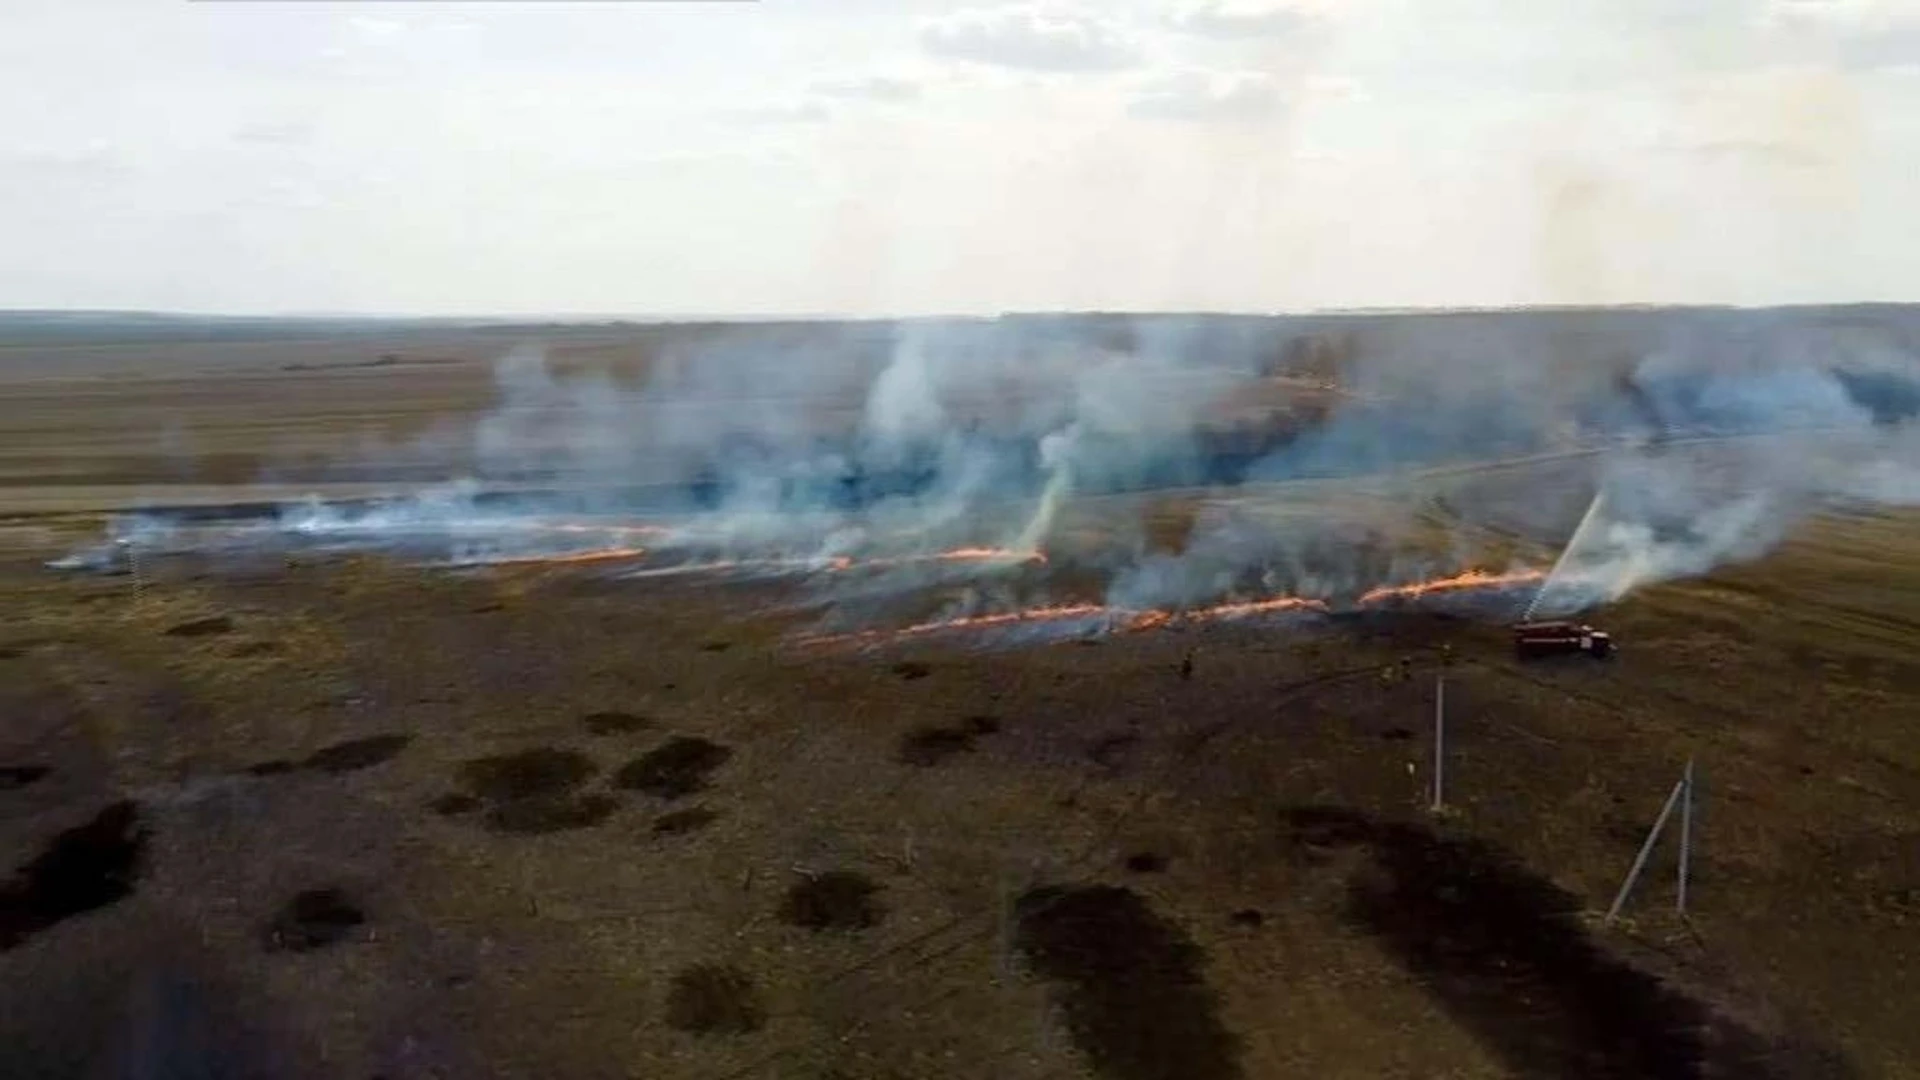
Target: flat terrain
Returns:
[[345, 817], [91, 425]]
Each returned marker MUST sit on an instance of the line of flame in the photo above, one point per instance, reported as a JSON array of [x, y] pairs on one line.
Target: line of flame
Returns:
[[723, 565], [595, 555], [1471, 579], [1024, 616], [1238, 609], [1123, 620], [829, 563], [1009, 556], [1128, 620]]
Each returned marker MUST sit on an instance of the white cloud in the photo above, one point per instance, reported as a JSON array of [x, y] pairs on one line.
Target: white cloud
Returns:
[[92, 160], [1204, 96], [1864, 33], [1805, 116], [171, 165], [1031, 38], [1241, 19], [1741, 150], [291, 193], [1851, 14], [882, 88], [799, 112], [274, 132], [376, 27]]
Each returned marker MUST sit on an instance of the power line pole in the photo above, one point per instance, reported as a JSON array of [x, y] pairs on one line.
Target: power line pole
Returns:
[[132, 551], [1686, 837], [1439, 742], [1646, 849]]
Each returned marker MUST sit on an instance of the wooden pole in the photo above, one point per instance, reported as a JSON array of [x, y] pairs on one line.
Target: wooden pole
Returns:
[[1439, 742]]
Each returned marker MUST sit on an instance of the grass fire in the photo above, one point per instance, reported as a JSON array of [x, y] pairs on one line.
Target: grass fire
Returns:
[[1118, 697]]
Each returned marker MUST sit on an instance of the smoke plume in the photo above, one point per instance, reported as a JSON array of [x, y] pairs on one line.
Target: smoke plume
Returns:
[[954, 467]]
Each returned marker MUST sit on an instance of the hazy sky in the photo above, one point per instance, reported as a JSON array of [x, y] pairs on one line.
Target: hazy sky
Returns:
[[867, 156]]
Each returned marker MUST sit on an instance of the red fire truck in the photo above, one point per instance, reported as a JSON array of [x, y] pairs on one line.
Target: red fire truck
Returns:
[[1534, 639]]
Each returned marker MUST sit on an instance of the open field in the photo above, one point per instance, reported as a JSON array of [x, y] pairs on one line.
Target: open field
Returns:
[[347, 817], [92, 425]]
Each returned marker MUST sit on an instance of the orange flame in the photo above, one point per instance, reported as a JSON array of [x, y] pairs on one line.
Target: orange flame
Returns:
[[991, 554], [952, 555], [1128, 620], [722, 565], [1257, 607], [1471, 579], [1122, 620], [826, 564], [596, 555], [1028, 616]]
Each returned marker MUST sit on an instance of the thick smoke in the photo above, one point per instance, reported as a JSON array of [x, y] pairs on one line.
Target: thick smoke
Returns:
[[1317, 456]]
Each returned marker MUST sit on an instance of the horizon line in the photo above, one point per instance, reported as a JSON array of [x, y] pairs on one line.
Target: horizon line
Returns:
[[662, 318]]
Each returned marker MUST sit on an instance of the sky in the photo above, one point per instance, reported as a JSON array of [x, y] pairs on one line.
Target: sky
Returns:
[[862, 157]]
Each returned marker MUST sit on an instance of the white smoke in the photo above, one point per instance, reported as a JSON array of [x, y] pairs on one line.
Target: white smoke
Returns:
[[1709, 435]]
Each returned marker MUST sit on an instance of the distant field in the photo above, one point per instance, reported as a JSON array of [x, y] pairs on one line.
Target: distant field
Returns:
[[95, 426], [105, 425]]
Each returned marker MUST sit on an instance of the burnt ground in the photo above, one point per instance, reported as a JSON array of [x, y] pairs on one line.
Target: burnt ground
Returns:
[[81, 869], [614, 723], [712, 999], [563, 839], [677, 822], [356, 754], [529, 792], [928, 746], [674, 769], [1508, 953], [314, 919], [833, 900], [1131, 985]]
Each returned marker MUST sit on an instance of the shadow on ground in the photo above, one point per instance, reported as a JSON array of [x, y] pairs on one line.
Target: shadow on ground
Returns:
[[82, 869], [1505, 953], [1130, 984]]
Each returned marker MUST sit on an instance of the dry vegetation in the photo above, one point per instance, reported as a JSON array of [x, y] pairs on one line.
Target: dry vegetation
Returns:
[[351, 819]]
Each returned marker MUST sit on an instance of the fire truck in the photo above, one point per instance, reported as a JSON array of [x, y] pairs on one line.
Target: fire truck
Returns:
[[1535, 639]]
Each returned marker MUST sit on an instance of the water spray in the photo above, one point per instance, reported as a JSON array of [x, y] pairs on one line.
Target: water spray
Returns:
[[1579, 534]]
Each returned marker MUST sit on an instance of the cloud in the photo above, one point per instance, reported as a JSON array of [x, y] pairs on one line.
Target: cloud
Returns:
[[1206, 97], [1804, 117], [92, 160], [293, 193], [1753, 150], [1865, 33], [1239, 19], [274, 132], [373, 27], [880, 88], [1031, 38], [799, 112]]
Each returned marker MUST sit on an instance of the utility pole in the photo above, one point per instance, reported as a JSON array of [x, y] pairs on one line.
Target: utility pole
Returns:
[[1686, 838], [1439, 742], [1646, 849], [132, 551]]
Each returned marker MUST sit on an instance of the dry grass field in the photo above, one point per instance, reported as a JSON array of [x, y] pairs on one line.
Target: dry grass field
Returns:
[[348, 818], [85, 426]]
